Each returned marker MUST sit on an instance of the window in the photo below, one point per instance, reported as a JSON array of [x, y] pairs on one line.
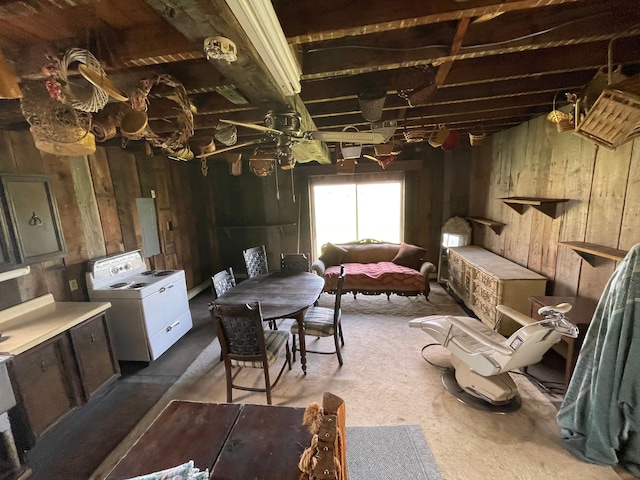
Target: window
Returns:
[[351, 208]]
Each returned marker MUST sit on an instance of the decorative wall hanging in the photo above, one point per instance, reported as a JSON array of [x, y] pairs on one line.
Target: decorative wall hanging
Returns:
[[184, 118], [78, 92]]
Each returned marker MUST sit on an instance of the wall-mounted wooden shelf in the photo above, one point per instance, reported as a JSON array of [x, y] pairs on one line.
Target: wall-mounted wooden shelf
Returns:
[[492, 224], [281, 226], [545, 205], [589, 251]]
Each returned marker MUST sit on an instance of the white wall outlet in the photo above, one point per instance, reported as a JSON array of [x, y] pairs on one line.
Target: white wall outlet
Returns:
[[73, 285], [153, 194]]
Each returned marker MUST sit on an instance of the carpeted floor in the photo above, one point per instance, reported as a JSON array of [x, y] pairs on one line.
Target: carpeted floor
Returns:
[[385, 381]]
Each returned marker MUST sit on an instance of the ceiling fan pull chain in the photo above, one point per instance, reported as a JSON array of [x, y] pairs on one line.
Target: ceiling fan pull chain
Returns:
[[293, 187]]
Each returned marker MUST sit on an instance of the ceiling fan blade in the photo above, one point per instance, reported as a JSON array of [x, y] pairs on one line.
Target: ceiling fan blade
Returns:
[[252, 125], [233, 147], [351, 137]]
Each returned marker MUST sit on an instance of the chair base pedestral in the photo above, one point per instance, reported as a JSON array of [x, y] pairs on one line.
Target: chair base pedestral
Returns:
[[473, 400]]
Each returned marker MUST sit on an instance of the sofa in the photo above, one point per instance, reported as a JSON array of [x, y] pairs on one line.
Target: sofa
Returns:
[[373, 267]]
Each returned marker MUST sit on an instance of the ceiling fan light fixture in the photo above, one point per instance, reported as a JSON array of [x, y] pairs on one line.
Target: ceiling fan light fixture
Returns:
[[220, 48], [259, 21]]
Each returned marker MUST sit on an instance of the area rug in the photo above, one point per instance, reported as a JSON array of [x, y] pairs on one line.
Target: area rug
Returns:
[[394, 452], [385, 381]]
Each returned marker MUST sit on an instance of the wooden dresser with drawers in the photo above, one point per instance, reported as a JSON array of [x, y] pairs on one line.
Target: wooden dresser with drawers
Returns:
[[483, 280]]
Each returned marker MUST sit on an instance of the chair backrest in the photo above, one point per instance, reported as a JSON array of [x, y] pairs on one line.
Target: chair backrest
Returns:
[[295, 262], [255, 259], [336, 308], [223, 281], [530, 343], [240, 331]]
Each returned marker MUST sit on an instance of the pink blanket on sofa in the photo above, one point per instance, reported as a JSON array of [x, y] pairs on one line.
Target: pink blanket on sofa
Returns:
[[375, 276]]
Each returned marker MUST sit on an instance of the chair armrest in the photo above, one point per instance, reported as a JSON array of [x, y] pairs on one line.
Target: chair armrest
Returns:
[[476, 335], [521, 318], [318, 268]]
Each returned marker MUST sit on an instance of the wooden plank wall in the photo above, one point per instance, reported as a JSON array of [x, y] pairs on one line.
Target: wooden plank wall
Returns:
[[534, 160], [96, 199]]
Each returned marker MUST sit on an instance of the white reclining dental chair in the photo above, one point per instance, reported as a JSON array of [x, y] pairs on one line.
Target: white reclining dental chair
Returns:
[[482, 358]]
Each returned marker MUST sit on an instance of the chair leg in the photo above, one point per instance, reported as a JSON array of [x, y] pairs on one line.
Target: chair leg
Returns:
[[229, 384], [289, 356], [267, 383], [293, 348], [337, 343], [340, 331]]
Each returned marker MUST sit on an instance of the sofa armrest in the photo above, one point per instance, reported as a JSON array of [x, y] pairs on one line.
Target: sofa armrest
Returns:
[[318, 268], [426, 268]]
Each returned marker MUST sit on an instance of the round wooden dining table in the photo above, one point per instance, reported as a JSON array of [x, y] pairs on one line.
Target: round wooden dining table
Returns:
[[281, 295]]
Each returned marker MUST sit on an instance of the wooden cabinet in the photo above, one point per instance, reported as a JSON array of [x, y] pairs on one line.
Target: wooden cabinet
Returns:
[[46, 389], [54, 378], [29, 221], [483, 280], [97, 364]]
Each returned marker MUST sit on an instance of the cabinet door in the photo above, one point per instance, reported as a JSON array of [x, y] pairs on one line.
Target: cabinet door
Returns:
[[31, 219], [43, 381], [96, 362]]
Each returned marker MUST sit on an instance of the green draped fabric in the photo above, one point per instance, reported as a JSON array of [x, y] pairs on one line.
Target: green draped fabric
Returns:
[[600, 414]]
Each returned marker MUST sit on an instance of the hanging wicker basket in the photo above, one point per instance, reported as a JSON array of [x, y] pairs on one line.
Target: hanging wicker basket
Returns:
[[371, 104], [477, 135], [351, 150]]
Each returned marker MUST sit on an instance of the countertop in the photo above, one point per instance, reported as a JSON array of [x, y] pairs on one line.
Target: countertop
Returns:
[[30, 323]]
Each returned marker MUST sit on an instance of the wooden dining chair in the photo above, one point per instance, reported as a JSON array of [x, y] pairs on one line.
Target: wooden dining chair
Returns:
[[223, 281], [295, 262], [255, 259], [245, 344], [323, 322]]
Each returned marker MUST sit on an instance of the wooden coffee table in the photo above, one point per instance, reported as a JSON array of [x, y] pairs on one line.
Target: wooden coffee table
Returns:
[[233, 441]]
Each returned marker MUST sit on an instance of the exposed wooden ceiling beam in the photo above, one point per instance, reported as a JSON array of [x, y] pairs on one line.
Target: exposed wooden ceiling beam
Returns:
[[305, 22], [443, 69]]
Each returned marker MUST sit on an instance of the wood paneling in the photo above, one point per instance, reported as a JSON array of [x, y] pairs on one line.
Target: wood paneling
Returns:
[[535, 160], [96, 198]]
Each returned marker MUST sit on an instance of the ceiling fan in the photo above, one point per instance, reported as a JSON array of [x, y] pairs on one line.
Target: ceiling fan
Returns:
[[284, 129]]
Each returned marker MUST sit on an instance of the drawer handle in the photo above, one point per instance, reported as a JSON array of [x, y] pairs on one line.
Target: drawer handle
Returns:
[[43, 366], [93, 337], [163, 289], [174, 324]]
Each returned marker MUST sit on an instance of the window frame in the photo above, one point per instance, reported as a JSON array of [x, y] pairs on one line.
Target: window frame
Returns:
[[357, 179]]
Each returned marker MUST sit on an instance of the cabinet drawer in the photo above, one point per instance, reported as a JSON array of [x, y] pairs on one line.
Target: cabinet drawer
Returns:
[[487, 281], [455, 260], [484, 295], [169, 335], [487, 313]]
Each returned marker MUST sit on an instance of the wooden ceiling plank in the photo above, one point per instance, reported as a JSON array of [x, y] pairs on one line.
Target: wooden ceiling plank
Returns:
[[348, 88], [529, 63], [305, 22]]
